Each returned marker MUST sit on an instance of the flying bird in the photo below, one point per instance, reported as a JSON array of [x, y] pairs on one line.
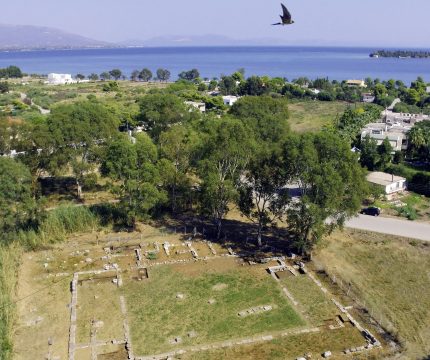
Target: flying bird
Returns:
[[285, 17]]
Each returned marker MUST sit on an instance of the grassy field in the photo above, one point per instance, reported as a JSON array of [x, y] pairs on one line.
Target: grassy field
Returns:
[[391, 276], [156, 315], [313, 303], [9, 261], [313, 115], [291, 347]]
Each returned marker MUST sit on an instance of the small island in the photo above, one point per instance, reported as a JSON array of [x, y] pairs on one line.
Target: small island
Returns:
[[401, 54]]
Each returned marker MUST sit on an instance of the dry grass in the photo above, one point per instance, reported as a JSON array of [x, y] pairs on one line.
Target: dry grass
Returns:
[[9, 261], [290, 347], [313, 115], [391, 276]]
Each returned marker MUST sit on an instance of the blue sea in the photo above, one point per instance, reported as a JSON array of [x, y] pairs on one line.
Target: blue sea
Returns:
[[288, 62]]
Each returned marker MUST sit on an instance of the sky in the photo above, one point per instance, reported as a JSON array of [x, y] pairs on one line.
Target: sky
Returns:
[[318, 22]]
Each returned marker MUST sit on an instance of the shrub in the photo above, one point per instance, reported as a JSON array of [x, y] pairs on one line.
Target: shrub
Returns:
[[408, 212], [67, 220]]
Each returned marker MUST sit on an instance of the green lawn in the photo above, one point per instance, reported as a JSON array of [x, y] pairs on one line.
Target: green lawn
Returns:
[[312, 301], [156, 315], [313, 115]]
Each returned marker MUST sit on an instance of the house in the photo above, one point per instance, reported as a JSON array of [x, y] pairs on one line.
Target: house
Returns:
[[60, 79], [391, 184], [428, 89], [368, 98], [201, 106], [391, 117], [356, 83], [397, 134], [229, 100]]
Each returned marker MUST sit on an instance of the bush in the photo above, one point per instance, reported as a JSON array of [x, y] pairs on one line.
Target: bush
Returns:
[[4, 87], [408, 212], [110, 86], [67, 220]]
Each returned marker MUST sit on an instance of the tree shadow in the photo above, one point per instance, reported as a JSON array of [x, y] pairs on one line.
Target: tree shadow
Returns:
[[240, 236]]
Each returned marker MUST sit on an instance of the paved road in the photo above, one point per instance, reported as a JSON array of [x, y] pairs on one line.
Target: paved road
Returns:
[[410, 229]]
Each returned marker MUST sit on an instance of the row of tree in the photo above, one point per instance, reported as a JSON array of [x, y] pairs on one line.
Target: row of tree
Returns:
[[190, 161]]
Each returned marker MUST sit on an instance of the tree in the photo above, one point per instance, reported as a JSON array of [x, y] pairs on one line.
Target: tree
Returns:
[[419, 141], [4, 87], [177, 145], [145, 75], [134, 75], [412, 97], [267, 117], [116, 74], [160, 111], [253, 86], [17, 206], [163, 74], [133, 166], [35, 143], [226, 149], [80, 77], [227, 85], [385, 151], [78, 131], [369, 156], [11, 72], [263, 198], [331, 182], [93, 77], [191, 75], [105, 76]]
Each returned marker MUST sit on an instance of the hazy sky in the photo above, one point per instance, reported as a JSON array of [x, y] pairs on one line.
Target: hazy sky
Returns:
[[325, 22]]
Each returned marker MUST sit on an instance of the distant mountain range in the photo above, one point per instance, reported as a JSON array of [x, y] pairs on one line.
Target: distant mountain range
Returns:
[[27, 37], [19, 37]]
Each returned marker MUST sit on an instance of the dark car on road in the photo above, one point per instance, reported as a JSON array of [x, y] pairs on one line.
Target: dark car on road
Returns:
[[372, 211]]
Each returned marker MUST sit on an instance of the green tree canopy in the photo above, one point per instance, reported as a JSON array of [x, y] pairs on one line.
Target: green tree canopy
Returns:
[[267, 117], [134, 167], [78, 130], [116, 73], [226, 148], [145, 75], [332, 184], [191, 75], [160, 111], [163, 74], [17, 206]]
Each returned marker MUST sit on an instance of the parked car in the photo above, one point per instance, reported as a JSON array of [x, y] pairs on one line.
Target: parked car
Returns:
[[372, 211]]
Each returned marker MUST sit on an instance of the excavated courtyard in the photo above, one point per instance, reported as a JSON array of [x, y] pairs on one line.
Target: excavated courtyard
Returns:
[[160, 294]]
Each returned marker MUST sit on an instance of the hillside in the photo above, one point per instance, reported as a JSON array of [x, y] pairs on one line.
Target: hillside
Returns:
[[18, 37]]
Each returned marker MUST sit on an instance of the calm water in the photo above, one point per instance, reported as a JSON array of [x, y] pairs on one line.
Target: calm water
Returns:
[[289, 62]]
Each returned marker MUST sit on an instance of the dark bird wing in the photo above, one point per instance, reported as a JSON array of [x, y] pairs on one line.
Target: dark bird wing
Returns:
[[286, 16]]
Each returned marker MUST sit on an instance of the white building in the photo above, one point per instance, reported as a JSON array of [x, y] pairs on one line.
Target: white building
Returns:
[[229, 100], [356, 83], [201, 106], [390, 183], [368, 98], [60, 79], [397, 134]]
